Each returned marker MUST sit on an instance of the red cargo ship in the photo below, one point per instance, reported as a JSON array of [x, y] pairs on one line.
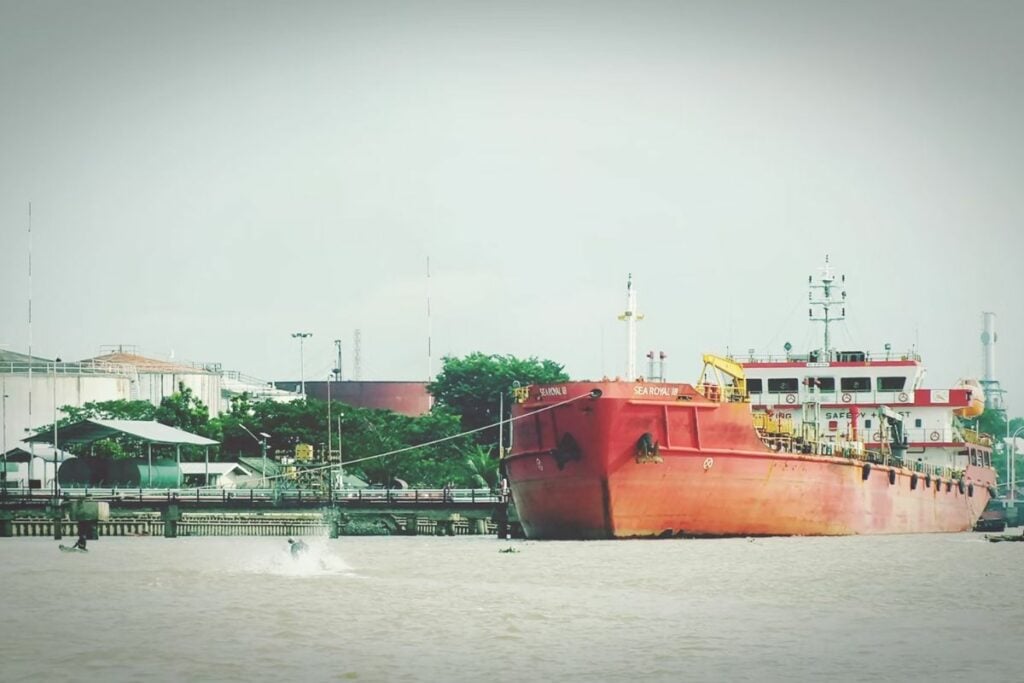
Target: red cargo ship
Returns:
[[621, 459]]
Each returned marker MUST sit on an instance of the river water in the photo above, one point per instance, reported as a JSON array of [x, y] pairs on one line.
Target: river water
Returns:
[[869, 608]]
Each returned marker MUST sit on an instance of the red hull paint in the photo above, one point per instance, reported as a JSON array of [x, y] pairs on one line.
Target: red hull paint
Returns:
[[712, 475]]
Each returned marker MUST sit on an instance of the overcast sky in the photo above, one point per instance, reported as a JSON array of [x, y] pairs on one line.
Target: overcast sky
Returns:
[[209, 177]]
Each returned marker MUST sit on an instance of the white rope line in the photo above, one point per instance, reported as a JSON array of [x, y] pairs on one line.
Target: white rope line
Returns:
[[422, 445]]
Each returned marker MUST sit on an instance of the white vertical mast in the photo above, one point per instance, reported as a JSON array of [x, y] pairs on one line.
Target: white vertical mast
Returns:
[[31, 360], [430, 360], [631, 317], [826, 284]]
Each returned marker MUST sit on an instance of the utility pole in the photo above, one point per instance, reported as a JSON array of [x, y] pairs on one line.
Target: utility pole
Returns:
[[337, 370], [3, 442], [302, 336]]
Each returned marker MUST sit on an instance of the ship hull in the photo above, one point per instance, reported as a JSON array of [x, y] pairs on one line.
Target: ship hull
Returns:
[[580, 471]]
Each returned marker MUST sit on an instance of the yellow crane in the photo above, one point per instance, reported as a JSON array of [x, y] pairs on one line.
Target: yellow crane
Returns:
[[712, 384]]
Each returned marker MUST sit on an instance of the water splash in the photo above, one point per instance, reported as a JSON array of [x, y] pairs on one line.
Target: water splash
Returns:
[[321, 559]]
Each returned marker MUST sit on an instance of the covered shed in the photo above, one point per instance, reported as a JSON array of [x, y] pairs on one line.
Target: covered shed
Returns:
[[19, 461], [149, 432], [223, 475]]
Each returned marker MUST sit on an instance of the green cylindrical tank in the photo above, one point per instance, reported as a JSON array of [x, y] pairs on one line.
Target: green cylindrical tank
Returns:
[[99, 472], [74, 473], [135, 473]]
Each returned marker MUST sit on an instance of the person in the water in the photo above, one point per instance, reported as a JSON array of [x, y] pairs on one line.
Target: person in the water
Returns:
[[80, 543], [297, 547]]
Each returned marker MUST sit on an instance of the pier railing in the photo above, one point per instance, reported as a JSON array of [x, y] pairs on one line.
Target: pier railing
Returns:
[[280, 497]]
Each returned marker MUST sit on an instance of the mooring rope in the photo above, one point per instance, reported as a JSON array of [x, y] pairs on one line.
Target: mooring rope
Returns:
[[406, 449]]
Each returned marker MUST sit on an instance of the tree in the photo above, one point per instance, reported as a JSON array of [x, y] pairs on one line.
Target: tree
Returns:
[[108, 410], [993, 423], [184, 410], [471, 386]]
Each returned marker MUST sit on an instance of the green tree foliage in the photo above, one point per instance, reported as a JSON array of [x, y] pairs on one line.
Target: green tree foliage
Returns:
[[466, 393], [184, 410], [480, 467], [470, 387], [993, 423], [365, 433], [108, 410]]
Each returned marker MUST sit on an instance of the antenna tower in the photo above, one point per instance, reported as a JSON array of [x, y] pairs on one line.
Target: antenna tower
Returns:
[[826, 300]]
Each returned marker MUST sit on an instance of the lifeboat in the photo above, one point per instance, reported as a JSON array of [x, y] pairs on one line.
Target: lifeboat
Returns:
[[976, 403]]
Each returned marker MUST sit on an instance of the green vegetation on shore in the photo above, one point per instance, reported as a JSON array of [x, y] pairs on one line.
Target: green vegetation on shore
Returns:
[[467, 393]]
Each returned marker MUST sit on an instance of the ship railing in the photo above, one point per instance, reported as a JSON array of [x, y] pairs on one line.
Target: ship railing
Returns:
[[976, 437], [241, 495], [807, 358], [849, 449]]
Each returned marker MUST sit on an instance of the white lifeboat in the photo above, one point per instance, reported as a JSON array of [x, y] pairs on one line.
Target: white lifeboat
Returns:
[[975, 403]]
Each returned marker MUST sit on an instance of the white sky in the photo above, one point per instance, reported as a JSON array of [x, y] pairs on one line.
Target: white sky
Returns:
[[210, 177]]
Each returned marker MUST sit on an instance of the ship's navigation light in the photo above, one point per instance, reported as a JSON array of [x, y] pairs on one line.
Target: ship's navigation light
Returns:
[[786, 346]]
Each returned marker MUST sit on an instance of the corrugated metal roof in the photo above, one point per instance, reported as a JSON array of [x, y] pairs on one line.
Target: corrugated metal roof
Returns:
[[21, 452], [219, 468], [88, 431], [256, 465], [12, 361]]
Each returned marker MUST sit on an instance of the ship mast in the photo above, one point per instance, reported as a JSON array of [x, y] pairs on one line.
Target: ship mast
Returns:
[[826, 283], [631, 317]]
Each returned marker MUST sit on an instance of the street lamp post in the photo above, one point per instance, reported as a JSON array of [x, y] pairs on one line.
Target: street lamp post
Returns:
[[1011, 465], [262, 441], [301, 336], [3, 402]]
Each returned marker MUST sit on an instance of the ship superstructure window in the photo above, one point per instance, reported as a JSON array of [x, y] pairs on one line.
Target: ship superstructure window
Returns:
[[891, 383], [827, 384], [917, 422], [855, 384], [754, 386], [867, 424], [788, 385]]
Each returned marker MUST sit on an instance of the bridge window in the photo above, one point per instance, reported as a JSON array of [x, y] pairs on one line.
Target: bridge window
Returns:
[[826, 384], [917, 422], [754, 386], [891, 383], [855, 384], [789, 385]]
